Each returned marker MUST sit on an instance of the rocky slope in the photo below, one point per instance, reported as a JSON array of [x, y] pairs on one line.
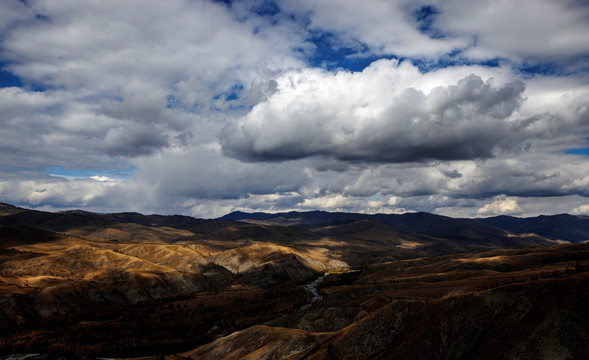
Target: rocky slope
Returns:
[[525, 318]]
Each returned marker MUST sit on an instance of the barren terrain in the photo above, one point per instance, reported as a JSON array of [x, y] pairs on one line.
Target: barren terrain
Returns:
[[128, 285]]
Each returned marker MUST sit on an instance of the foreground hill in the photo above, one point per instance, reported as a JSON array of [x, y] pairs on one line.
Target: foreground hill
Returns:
[[531, 321], [437, 309], [65, 295]]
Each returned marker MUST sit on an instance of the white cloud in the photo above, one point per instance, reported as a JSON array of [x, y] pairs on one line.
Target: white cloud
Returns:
[[380, 115], [339, 202], [384, 26], [102, 178], [332, 202], [132, 75], [62, 192], [121, 48], [536, 31], [12, 11], [528, 30], [203, 173], [581, 210], [500, 206]]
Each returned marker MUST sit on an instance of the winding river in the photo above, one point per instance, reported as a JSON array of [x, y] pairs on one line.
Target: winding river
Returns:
[[312, 288]]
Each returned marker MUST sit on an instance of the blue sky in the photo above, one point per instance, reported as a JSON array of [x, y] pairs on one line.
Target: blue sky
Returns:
[[578, 151], [8, 79], [205, 107]]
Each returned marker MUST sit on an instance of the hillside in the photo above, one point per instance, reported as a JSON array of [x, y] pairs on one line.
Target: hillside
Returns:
[[459, 313], [77, 283], [337, 233], [516, 321]]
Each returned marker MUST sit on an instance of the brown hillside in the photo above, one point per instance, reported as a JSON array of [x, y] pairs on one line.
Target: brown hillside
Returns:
[[537, 320], [114, 285]]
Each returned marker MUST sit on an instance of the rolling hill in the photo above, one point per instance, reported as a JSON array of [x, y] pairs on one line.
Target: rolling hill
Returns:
[[77, 283], [436, 308]]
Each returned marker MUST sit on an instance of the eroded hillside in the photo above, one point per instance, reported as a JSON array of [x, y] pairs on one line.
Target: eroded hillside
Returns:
[[522, 304]]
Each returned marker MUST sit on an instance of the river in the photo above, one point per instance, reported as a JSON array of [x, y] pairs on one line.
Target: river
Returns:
[[312, 288]]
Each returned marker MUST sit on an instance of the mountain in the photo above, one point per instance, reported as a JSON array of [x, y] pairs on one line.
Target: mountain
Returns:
[[296, 218], [465, 231], [430, 234], [83, 284], [572, 228]]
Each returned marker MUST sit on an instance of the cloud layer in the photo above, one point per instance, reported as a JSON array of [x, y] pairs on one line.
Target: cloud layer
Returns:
[[202, 107]]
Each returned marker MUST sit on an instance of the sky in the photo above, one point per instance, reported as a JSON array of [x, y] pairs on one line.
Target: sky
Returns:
[[197, 107]]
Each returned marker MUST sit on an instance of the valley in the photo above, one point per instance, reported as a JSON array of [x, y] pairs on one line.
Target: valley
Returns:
[[127, 285]]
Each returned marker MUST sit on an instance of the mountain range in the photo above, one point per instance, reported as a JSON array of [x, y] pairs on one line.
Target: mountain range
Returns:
[[77, 283], [571, 228]]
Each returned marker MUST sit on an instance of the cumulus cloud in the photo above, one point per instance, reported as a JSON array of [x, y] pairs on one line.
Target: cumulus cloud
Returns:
[[339, 202], [530, 175], [379, 115], [500, 206], [119, 48], [52, 128], [581, 210], [207, 175], [127, 79], [12, 12], [133, 140]]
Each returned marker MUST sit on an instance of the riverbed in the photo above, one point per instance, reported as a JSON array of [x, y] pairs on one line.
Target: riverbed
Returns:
[[312, 288]]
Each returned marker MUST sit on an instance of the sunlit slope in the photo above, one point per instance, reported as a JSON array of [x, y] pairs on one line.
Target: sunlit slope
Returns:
[[262, 342], [61, 273]]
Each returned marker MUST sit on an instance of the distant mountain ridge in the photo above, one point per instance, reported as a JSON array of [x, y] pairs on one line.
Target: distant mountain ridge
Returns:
[[368, 235], [495, 231], [571, 228]]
